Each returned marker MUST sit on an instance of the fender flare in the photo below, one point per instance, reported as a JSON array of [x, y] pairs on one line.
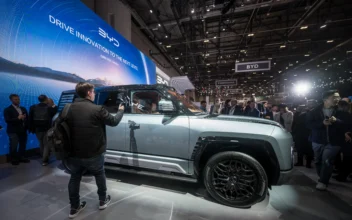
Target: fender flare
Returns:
[[260, 150]]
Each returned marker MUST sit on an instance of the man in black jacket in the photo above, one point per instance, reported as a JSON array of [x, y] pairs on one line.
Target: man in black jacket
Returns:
[[16, 119], [40, 117], [326, 135], [88, 141]]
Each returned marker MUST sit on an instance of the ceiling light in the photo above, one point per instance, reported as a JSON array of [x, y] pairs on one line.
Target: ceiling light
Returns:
[[206, 41], [274, 63], [304, 27], [295, 75], [192, 11], [318, 65], [166, 36], [307, 70], [306, 55], [208, 9], [208, 64], [270, 58], [339, 64], [168, 46], [329, 41], [280, 71], [243, 51], [282, 46], [250, 35], [323, 26], [159, 25], [224, 29], [160, 43], [271, 76], [151, 11], [214, 37], [176, 58], [325, 62], [208, 71], [334, 58]]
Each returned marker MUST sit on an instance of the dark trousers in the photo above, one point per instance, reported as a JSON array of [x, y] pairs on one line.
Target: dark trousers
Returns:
[[95, 166], [346, 164], [304, 148], [324, 160], [17, 140], [44, 149]]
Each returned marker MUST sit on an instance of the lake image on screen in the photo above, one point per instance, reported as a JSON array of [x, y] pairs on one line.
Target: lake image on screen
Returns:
[[28, 88]]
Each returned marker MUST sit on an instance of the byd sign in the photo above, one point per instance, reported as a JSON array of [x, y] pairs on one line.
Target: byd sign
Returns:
[[253, 66]]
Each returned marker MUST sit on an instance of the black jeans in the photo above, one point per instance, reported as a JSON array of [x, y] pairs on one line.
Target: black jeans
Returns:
[[95, 166], [44, 149], [17, 140]]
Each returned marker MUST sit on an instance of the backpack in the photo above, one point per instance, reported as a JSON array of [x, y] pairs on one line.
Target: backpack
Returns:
[[41, 115], [58, 137]]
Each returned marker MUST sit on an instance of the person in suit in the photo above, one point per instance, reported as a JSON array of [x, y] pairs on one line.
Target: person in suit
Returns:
[[16, 119], [253, 111]]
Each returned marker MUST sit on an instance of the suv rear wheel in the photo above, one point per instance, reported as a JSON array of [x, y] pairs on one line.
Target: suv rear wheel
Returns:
[[235, 179]]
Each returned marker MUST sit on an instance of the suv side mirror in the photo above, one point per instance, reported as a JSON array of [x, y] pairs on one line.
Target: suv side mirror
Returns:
[[166, 106]]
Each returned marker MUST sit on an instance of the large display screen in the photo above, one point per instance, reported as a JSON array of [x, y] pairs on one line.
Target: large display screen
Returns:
[[47, 46]]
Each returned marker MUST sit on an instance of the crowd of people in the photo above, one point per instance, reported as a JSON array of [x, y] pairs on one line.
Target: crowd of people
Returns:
[[321, 130]]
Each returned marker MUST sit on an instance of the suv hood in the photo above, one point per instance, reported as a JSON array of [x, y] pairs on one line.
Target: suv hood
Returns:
[[242, 119]]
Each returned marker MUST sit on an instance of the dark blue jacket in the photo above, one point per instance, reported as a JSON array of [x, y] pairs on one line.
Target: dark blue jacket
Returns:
[[14, 125], [319, 132], [255, 113]]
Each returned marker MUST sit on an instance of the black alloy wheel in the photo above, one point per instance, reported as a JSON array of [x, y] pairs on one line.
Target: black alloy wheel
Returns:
[[235, 179]]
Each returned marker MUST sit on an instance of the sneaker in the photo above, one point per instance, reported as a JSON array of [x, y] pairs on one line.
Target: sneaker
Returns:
[[25, 160], [104, 204], [74, 212], [321, 186], [15, 163]]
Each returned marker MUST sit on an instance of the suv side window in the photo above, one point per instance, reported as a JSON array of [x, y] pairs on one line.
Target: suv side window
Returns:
[[145, 102], [110, 101]]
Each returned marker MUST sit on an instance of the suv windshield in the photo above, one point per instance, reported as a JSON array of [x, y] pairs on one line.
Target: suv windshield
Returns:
[[191, 107]]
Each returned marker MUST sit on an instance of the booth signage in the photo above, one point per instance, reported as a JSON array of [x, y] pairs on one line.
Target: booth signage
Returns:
[[161, 80], [230, 82], [253, 66], [234, 91]]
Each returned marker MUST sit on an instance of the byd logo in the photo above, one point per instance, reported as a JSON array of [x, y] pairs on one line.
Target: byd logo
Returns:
[[160, 80], [106, 36], [252, 66]]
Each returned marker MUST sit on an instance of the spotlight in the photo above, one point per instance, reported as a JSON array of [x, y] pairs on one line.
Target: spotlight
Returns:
[[330, 41], [282, 46], [250, 35], [151, 11], [302, 88], [206, 41], [304, 27], [159, 25], [323, 26], [168, 46], [192, 11]]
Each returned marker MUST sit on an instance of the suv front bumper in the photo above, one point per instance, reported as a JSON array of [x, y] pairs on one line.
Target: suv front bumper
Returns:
[[285, 176]]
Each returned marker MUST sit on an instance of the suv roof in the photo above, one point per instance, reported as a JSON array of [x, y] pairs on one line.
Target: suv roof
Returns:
[[137, 86]]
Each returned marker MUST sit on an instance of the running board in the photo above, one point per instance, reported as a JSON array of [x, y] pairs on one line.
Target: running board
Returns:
[[152, 174]]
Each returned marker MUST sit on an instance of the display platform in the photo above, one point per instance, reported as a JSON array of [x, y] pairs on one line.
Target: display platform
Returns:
[[33, 192]]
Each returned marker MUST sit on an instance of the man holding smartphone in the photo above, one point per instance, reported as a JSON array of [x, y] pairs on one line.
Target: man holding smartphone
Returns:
[[16, 119], [327, 136], [87, 122]]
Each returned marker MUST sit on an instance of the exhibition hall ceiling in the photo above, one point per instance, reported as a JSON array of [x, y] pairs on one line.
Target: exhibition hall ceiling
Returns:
[[303, 39]]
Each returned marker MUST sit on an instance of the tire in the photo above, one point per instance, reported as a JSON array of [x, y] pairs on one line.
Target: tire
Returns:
[[225, 173]]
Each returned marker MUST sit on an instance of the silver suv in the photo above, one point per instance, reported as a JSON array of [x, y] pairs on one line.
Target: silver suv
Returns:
[[237, 158]]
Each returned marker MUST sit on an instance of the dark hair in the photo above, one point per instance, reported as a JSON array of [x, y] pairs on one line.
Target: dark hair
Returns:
[[227, 101], [191, 99], [263, 103], [329, 93], [344, 106], [42, 98], [202, 102], [272, 106], [12, 96], [82, 89]]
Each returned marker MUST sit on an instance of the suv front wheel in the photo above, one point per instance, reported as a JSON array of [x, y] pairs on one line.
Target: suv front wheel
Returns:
[[235, 179]]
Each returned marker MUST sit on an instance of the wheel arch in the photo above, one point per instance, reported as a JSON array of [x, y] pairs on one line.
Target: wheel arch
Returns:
[[260, 150]]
